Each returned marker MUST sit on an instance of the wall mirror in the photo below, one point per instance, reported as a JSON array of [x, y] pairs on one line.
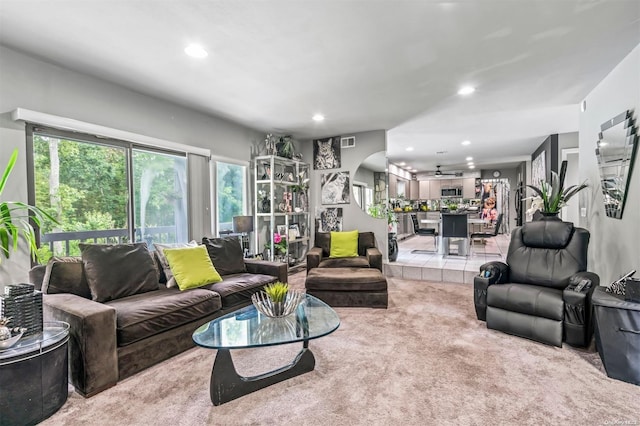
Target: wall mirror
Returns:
[[370, 183], [617, 145]]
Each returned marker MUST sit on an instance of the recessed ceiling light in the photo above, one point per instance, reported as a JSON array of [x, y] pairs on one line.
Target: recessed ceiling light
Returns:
[[470, 163], [318, 117], [403, 163], [414, 170], [466, 90], [196, 51], [472, 167], [603, 143], [465, 143], [469, 159], [410, 148]]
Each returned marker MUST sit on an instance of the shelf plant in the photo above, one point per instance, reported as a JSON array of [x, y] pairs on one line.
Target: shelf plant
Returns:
[[14, 219]]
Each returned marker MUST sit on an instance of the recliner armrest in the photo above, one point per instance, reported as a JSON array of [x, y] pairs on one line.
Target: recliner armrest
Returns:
[[498, 273], [374, 257], [578, 310], [93, 357], [314, 256], [276, 269]]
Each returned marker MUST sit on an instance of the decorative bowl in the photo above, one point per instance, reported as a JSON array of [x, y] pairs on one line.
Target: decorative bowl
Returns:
[[6, 344], [265, 306]]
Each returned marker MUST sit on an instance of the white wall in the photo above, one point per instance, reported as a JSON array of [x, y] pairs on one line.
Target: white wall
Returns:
[[615, 243], [36, 85]]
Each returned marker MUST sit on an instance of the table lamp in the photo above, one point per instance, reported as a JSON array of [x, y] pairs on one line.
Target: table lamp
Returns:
[[243, 225]]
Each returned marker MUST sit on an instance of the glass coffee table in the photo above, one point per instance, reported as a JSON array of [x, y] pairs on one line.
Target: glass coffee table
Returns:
[[247, 328]]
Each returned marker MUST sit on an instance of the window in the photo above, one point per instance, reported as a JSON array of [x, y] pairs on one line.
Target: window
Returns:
[[86, 184], [231, 193]]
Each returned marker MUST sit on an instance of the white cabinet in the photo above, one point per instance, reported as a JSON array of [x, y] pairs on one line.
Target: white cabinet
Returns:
[[282, 208]]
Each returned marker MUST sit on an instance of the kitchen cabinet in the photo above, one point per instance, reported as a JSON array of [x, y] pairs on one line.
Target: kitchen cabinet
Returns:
[[423, 190], [456, 183], [414, 190], [469, 188], [393, 186], [434, 189]]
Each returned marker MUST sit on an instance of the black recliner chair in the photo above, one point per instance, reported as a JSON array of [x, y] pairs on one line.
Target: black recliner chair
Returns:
[[533, 295]]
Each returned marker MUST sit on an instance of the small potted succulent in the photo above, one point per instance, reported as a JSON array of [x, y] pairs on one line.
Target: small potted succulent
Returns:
[[276, 300]]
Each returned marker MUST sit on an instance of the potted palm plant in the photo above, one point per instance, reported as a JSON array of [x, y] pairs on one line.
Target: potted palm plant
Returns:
[[14, 219], [553, 196]]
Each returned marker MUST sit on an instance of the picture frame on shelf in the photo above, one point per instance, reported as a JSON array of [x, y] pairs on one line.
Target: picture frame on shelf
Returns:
[[294, 231], [282, 229]]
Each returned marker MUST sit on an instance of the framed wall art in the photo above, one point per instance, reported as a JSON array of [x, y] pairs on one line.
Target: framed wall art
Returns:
[[335, 188], [326, 153]]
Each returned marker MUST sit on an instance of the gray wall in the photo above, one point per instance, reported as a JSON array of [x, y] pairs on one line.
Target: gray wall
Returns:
[[615, 244], [29, 83], [367, 143]]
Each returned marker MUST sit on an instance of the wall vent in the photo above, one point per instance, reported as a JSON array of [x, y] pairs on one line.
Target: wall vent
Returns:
[[348, 142]]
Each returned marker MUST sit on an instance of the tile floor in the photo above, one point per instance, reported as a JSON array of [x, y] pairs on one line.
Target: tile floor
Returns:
[[435, 267]]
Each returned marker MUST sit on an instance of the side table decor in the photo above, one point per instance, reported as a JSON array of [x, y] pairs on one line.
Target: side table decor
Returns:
[[23, 305], [276, 300], [9, 336]]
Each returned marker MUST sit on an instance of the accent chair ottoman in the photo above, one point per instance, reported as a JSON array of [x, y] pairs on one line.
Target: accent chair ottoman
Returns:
[[348, 287]]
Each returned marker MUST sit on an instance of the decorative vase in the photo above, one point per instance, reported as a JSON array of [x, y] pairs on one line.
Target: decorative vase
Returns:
[[266, 205], [393, 247], [549, 216]]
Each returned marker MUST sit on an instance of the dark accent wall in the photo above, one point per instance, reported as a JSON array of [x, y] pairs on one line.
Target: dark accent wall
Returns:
[[550, 146]]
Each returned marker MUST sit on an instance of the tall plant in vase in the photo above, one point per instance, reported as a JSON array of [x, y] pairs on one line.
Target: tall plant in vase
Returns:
[[552, 196]]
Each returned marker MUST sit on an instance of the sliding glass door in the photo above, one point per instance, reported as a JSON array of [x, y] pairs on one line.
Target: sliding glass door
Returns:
[[96, 188]]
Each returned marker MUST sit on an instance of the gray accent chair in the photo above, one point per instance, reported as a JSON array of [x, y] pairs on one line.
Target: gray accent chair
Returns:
[[532, 295]]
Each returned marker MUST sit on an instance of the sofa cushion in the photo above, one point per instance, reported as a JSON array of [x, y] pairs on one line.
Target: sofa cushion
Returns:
[[147, 314], [527, 299], [323, 240], [226, 254], [344, 244], [237, 288], [65, 275], [164, 265], [114, 271], [191, 267], [345, 262]]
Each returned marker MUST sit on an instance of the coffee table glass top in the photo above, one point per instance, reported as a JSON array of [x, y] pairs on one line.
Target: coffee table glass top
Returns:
[[248, 328]]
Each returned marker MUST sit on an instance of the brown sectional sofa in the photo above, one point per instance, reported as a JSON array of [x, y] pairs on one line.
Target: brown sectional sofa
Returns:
[[115, 339]]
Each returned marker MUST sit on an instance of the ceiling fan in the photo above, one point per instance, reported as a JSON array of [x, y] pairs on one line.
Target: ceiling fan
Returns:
[[439, 173]]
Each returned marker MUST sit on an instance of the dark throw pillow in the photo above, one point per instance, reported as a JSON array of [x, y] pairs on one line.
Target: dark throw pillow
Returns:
[[115, 271], [66, 275], [226, 255]]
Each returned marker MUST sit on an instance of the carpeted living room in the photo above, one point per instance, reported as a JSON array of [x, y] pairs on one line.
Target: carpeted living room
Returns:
[[424, 360], [320, 213]]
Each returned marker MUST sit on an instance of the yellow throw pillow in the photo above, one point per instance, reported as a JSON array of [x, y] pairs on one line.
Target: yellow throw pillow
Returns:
[[344, 244], [191, 267]]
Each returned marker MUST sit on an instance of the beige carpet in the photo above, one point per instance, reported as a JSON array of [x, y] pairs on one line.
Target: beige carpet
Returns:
[[425, 360]]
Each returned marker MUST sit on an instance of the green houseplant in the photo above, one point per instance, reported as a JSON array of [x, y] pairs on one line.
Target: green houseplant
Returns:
[[14, 219], [553, 196]]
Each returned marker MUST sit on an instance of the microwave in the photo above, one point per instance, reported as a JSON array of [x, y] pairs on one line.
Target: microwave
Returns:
[[455, 192]]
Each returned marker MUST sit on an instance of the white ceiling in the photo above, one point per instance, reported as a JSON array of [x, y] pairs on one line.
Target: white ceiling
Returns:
[[365, 65]]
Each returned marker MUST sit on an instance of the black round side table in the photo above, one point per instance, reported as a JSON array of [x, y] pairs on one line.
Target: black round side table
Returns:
[[34, 376]]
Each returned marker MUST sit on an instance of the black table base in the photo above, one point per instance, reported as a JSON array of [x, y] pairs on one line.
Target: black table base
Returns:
[[227, 384]]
